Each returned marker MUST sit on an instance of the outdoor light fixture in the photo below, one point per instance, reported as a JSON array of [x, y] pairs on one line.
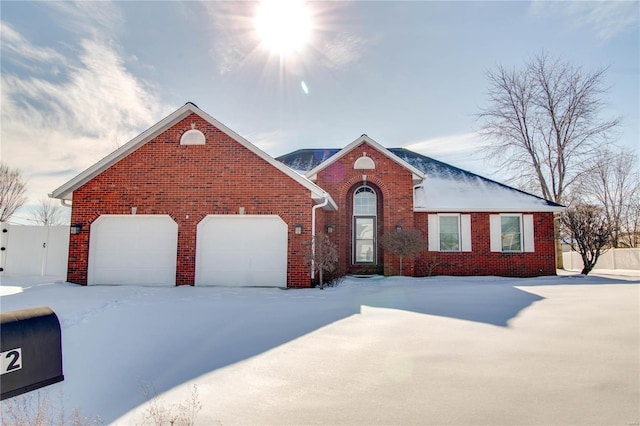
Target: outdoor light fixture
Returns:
[[298, 229], [398, 227], [76, 228], [329, 229]]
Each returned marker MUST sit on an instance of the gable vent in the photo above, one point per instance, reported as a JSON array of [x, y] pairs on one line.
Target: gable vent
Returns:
[[364, 163], [192, 137]]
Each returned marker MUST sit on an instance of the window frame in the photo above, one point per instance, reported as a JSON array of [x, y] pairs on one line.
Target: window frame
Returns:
[[527, 232], [520, 232], [464, 232], [458, 225], [369, 214]]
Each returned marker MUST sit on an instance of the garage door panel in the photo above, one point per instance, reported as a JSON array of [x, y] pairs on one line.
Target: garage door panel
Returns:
[[242, 250], [133, 249]]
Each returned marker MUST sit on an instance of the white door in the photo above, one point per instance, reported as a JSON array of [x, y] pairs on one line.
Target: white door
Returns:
[[242, 250], [133, 249]]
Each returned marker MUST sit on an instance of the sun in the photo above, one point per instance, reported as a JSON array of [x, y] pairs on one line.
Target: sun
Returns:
[[284, 26]]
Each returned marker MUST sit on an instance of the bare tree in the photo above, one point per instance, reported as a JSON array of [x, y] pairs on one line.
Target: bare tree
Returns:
[[48, 213], [614, 182], [403, 242], [543, 121], [323, 256], [589, 232], [12, 191]]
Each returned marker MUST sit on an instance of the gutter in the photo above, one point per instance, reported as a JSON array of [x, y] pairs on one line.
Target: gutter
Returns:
[[325, 196]]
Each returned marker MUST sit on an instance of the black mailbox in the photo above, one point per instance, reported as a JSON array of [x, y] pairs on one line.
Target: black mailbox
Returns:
[[31, 347]]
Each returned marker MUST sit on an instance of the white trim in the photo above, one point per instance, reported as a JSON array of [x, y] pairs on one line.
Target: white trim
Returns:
[[526, 232], [465, 232], [418, 175], [480, 209], [66, 190], [528, 239], [433, 232], [495, 232]]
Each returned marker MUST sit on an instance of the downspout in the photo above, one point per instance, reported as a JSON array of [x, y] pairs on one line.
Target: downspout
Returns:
[[64, 202], [313, 233]]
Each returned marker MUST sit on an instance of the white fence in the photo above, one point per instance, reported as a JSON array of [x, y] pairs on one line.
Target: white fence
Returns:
[[614, 259], [33, 250]]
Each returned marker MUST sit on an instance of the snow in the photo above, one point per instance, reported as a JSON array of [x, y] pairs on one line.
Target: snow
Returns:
[[395, 350], [466, 192]]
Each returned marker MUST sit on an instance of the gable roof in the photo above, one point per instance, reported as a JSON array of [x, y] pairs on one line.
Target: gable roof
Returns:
[[418, 174], [66, 190], [446, 188]]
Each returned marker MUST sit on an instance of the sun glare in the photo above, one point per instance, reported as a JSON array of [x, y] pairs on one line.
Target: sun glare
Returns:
[[284, 26]]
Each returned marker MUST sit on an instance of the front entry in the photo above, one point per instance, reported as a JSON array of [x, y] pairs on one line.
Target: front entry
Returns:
[[365, 229]]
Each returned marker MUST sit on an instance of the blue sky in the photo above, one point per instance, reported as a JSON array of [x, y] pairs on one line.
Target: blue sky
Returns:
[[80, 79]]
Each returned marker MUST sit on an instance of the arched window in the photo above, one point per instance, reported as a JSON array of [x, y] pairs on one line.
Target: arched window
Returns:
[[364, 225], [364, 201]]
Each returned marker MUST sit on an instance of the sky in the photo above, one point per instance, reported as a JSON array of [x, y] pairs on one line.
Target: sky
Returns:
[[80, 79]]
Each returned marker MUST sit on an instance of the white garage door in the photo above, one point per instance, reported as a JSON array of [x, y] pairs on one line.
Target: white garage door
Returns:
[[242, 250], [133, 249]]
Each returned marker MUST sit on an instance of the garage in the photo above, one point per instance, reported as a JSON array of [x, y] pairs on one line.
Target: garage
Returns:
[[133, 250], [241, 251]]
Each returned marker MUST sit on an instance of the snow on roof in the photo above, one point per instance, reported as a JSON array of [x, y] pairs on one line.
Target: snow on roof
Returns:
[[473, 193], [445, 188]]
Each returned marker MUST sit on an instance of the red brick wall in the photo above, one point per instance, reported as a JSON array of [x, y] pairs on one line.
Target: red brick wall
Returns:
[[482, 261], [188, 182], [394, 189]]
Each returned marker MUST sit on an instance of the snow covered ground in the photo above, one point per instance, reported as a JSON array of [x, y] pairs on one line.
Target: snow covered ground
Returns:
[[396, 350]]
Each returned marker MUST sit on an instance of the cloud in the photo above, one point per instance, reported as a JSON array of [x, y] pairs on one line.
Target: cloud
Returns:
[[606, 19], [231, 28], [94, 18], [343, 49], [461, 150], [16, 48], [54, 126], [273, 142]]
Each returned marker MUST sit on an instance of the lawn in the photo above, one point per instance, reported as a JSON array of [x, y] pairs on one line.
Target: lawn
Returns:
[[395, 350]]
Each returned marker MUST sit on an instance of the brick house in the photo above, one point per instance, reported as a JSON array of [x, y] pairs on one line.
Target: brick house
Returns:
[[189, 201]]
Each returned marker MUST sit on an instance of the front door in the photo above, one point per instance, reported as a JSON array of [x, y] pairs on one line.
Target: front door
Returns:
[[365, 240]]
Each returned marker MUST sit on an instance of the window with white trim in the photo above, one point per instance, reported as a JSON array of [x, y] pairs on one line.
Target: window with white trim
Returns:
[[511, 233], [449, 232], [364, 225]]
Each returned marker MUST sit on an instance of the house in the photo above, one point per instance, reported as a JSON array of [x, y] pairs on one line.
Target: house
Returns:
[[189, 201]]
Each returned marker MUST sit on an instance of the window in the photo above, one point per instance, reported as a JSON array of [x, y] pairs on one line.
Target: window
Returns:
[[511, 233], [511, 236], [449, 232], [364, 201], [364, 225]]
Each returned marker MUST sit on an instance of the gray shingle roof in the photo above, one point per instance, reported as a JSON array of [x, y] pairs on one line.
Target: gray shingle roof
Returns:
[[447, 183]]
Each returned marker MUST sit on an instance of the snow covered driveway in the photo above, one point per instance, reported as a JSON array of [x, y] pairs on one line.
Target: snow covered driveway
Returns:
[[440, 350]]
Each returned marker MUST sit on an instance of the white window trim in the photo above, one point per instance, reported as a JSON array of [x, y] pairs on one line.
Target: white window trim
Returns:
[[464, 232], [354, 218], [527, 240]]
